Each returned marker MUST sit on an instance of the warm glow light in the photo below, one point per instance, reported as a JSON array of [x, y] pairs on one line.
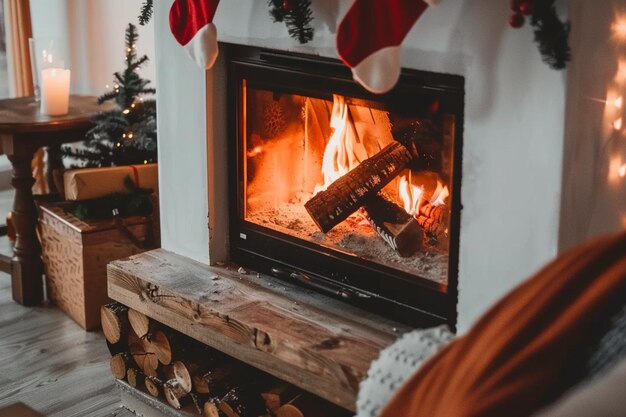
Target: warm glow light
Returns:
[[616, 163], [618, 102], [619, 28], [617, 125], [411, 195], [254, 151], [126, 111], [130, 136], [340, 155], [622, 171], [440, 195]]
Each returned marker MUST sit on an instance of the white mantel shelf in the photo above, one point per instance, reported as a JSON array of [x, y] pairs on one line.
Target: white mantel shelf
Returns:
[[320, 344]]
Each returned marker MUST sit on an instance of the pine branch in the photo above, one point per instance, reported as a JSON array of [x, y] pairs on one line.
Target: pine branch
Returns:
[[551, 35], [146, 12], [297, 18]]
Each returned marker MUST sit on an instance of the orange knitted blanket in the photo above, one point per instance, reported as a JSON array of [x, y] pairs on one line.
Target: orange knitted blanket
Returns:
[[528, 348]]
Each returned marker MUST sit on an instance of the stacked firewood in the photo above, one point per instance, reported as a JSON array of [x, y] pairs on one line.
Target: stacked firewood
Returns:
[[195, 378]]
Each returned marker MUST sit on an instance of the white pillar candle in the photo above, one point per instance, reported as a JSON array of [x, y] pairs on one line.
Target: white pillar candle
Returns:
[[55, 91]]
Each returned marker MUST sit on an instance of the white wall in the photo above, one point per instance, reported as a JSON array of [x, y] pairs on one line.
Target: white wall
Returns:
[[94, 33], [513, 133]]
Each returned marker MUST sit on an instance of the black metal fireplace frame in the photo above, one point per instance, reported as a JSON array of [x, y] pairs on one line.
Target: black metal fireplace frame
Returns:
[[401, 296]]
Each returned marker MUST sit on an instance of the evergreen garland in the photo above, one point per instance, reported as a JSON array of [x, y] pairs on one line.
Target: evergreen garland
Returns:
[[551, 35], [146, 12], [135, 202], [124, 135], [296, 14]]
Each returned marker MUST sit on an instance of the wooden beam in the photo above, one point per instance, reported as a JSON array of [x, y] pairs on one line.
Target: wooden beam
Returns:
[[319, 344]]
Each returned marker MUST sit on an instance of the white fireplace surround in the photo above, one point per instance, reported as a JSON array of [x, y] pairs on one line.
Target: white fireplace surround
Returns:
[[514, 132]]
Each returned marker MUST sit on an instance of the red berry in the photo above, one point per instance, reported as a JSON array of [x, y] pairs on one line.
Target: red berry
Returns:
[[288, 4], [516, 20], [515, 5], [527, 8]]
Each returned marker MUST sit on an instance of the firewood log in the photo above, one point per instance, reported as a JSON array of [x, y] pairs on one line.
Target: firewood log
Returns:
[[220, 378], [114, 319], [180, 372], [306, 405], [120, 362], [242, 401], [210, 410], [170, 345], [175, 393], [206, 405], [343, 197], [143, 354], [433, 219], [139, 322], [154, 385], [398, 228], [279, 394], [135, 377], [347, 194]]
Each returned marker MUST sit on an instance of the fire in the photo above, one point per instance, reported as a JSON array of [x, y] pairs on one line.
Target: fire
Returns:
[[341, 154], [410, 194], [414, 197], [440, 195]]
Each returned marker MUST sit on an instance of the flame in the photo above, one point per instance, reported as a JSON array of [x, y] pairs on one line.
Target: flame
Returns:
[[413, 196], [254, 151], [622, 171], [410, 194], [440, 195], [340, 155]]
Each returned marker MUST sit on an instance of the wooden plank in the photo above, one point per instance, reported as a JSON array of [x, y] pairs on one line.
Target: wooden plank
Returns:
[[49, 363], [317, 343]]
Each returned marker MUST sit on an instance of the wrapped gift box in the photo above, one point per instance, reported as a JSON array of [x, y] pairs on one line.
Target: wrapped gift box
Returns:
[[89, 183]]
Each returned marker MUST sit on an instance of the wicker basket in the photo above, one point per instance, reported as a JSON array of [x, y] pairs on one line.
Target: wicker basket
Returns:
[[75, 255]]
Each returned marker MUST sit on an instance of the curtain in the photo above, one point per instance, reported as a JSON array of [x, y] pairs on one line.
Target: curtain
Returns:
[[20, 30]]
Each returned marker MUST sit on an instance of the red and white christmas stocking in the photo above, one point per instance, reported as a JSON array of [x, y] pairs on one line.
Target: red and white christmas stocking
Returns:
[[369, 39], [191, 23]]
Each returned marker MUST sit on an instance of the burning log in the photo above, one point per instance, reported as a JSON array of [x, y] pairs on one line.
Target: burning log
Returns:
[[343, 197], [433, 219], [347, 194], [398, 228]]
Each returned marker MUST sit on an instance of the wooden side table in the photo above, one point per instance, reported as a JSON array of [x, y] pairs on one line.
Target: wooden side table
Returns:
[[23, 129]]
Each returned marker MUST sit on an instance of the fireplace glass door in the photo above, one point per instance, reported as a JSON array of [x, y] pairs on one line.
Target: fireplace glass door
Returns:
[[353, 189]]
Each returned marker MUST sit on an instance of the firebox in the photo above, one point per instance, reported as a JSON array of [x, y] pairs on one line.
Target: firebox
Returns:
[[350, 193]]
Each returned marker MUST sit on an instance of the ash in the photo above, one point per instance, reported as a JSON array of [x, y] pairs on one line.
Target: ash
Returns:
[[353, 236]]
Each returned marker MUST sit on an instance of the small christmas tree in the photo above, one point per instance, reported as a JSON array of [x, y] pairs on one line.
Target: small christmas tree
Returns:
[[125, 135]]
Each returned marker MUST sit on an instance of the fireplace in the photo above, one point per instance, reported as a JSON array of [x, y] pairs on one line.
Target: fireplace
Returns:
[[350, 193]]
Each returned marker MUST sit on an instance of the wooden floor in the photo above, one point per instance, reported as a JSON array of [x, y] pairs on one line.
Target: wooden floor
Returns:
[[49, 362]]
